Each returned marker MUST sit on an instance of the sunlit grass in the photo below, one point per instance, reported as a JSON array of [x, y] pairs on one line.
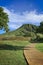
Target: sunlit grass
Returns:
[[39, 46], [11, 52]]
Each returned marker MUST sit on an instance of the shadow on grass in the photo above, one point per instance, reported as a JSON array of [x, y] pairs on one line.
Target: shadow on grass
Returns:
[[35, 41], [10, 47]]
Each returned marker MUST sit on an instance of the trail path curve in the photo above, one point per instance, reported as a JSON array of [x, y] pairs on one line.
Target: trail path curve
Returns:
[[32, 55]]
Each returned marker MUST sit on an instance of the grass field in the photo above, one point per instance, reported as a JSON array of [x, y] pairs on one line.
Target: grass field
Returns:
[[39, 46], [11, 52]]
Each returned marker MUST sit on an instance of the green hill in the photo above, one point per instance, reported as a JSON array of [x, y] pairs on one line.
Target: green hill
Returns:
[[25, 30]]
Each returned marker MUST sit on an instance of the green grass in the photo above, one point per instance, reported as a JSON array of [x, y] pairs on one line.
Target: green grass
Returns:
[[11, 52], [39, 46], [40, 35]]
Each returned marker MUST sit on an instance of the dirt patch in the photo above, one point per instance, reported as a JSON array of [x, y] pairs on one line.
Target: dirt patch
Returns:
[[33, 56]]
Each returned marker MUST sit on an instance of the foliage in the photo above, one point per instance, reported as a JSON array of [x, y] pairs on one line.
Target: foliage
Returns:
[[39, 37], [3, 20], [40, 28]]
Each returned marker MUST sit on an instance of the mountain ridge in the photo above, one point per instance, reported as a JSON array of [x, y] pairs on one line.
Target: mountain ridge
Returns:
[[25, 30]]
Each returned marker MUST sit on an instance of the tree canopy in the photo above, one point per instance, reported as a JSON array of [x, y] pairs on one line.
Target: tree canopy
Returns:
[[40, 28], [3, 20]]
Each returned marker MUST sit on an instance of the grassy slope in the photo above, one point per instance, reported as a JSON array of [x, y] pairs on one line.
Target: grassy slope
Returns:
[[39, 46], [11, 52], [24, 30]]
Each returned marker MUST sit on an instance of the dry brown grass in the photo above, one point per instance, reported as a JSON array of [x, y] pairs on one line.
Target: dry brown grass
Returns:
[[15, 38]]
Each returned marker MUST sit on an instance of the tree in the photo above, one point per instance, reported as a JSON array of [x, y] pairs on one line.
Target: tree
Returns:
[[3, 20], [40, 29]]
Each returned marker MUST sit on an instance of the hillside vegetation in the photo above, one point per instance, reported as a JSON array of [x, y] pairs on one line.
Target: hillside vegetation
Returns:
[[33, 32], [26, 30]]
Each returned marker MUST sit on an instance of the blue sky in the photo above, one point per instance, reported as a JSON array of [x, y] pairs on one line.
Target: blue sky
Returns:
[[22, 12]]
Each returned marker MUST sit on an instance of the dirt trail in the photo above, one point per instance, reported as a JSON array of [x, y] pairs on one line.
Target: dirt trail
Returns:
[[33, 56]]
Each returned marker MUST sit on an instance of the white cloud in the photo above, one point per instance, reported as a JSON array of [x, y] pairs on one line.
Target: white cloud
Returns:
[[17, 19], [13, 26]]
